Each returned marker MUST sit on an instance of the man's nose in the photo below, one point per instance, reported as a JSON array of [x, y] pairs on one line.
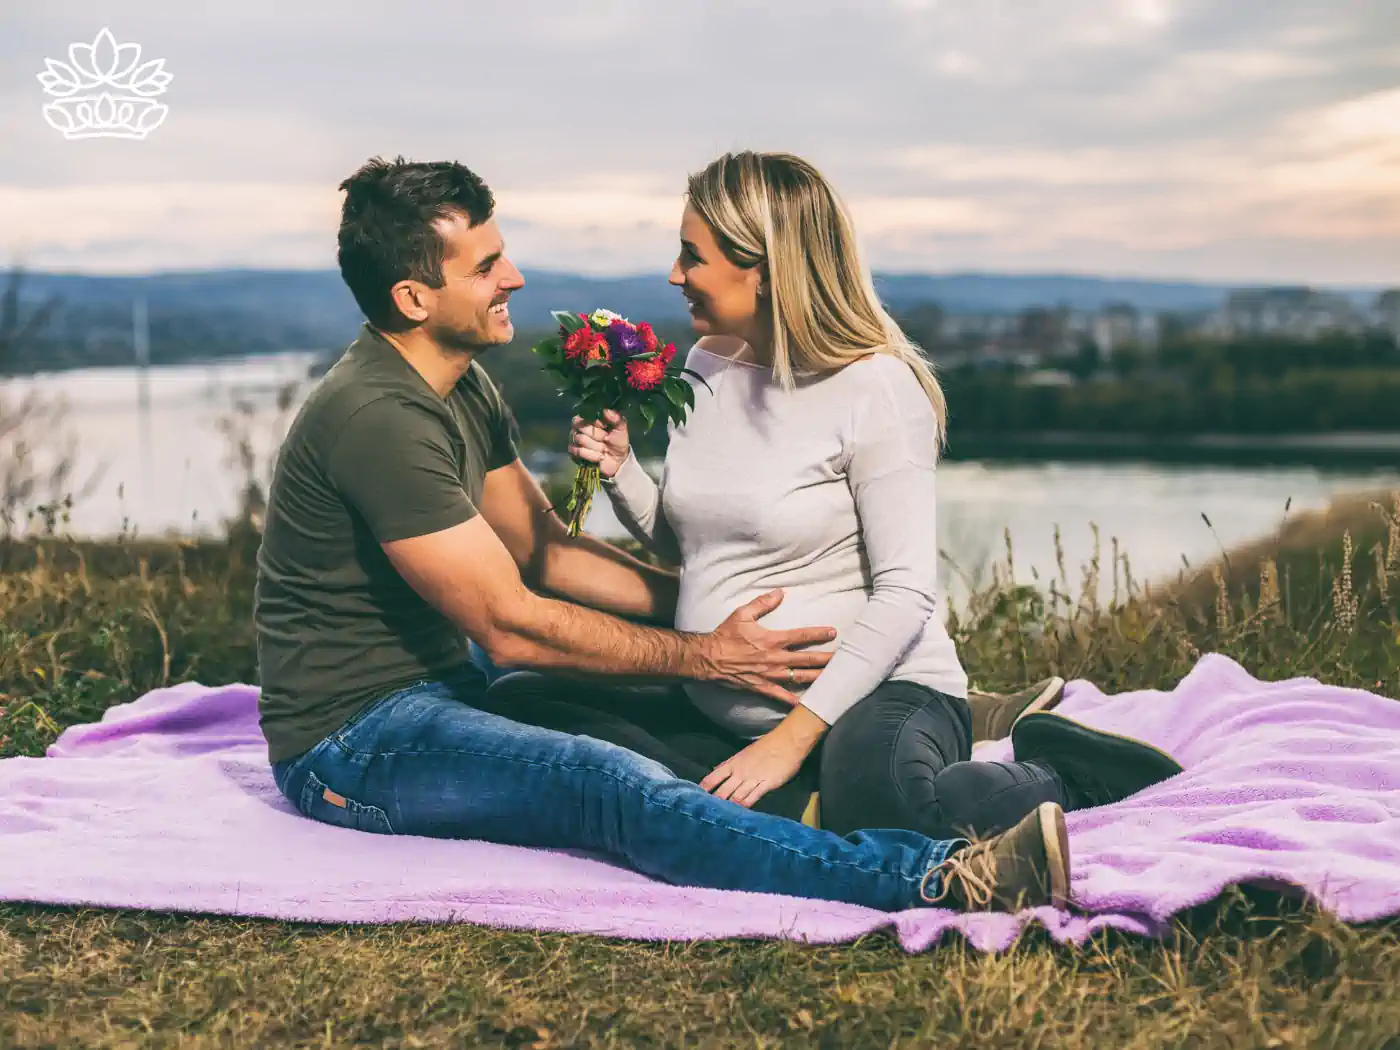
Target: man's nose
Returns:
[[513, 278]]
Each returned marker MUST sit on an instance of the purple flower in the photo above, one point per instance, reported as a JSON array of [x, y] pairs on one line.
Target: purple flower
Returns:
[[624, 341]]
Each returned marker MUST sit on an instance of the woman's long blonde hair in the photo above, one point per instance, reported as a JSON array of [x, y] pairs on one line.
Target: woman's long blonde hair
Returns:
[[777, 210]]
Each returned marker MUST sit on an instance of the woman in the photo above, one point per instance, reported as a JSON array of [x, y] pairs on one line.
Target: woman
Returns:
[[808, 463]]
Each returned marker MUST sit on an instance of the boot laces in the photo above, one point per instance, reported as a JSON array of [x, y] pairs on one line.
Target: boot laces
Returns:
[[972, 871]]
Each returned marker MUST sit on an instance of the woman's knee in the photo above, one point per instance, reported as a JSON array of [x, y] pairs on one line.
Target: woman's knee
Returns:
[[881, 760]]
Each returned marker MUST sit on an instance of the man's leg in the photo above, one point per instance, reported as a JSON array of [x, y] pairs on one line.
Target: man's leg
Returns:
[[484, 664], [423, 762], [659, 723]]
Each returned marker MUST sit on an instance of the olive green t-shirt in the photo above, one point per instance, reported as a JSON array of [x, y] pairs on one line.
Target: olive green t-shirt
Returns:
[[375, 454]]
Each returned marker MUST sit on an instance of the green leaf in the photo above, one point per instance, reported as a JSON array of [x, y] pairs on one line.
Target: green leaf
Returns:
[[673, 394], [648, 411], [697, 375], [570, 322], [551, 351], [688, 392]]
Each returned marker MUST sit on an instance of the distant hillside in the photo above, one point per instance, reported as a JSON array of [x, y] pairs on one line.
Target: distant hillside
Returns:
[[221, 312], [992, 293]]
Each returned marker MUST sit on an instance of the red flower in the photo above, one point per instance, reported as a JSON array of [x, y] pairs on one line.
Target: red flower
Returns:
[[586, 345], [667, 352], [644, 375], [649, 341]]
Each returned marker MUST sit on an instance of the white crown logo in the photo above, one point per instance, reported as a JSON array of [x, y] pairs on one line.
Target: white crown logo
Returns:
[[103, 93]]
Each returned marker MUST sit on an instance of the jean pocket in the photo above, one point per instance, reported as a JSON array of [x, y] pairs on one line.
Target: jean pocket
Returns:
[[345, 737], [322, 804]]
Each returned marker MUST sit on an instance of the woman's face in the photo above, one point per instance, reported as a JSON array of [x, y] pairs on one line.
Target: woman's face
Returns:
[[722, 297]]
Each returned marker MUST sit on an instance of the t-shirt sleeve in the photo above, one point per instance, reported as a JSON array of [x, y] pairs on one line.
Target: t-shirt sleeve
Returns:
[[505, 432], [393, 463], [505, 443]]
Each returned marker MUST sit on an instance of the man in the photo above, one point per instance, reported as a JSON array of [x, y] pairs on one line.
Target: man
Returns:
[[401, 523]]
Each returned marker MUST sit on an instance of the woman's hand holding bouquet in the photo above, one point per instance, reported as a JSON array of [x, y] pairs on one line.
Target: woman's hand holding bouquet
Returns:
[[604, 442], [610, 365]]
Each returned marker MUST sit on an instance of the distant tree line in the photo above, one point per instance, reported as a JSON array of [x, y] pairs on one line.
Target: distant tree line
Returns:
[[22, 322], [1263, 385]]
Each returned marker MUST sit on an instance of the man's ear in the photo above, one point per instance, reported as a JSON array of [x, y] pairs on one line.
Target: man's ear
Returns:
[[409, 297]]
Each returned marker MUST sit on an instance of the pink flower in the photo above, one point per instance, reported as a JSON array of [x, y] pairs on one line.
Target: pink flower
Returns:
[[645, 375], [586, 345]]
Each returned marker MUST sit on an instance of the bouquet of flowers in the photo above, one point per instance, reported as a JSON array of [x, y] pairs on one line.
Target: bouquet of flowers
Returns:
[[604, 361]]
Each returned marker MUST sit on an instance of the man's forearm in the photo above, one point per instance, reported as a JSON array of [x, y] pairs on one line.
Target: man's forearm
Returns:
[[596, 574], [547, 635]]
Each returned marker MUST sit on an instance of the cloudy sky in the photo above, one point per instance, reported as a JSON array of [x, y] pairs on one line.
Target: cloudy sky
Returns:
[[1239, 140]]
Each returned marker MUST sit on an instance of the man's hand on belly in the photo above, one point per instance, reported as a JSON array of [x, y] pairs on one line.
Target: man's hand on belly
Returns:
[[744, 655]]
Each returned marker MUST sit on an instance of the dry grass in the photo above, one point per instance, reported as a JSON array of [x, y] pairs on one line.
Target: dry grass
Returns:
[[85, 626], [1232, 977], [1310, 542]]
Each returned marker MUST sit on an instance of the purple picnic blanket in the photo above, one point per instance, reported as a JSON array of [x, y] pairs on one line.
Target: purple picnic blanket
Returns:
[[168, 804]]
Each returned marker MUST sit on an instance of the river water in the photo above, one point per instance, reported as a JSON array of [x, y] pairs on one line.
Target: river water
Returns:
[[157, 454]]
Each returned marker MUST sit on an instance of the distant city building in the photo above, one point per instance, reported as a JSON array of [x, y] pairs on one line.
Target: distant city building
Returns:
[[977, 326], [1302, 312], [1388, 311], [1049, 377], [991, 357], [1120, 325], [1040, 339]]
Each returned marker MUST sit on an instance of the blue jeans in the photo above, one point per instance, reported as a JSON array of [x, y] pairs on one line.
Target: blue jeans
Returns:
[[423, 761], [483, 663]]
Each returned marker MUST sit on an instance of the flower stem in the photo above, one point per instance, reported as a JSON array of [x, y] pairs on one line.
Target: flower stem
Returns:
[[581, 497]]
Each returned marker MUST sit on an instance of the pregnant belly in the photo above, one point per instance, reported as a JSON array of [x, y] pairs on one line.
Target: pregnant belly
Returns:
[[802, 606], [747, 714]]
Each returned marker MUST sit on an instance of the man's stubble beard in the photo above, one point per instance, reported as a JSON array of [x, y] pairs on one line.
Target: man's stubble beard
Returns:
[[463, 341]]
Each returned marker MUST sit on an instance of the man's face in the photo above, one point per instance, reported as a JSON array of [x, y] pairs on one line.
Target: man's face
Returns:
[[470, 311]]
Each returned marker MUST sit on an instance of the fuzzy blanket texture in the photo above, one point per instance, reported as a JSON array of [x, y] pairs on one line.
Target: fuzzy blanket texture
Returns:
[[168, 804]]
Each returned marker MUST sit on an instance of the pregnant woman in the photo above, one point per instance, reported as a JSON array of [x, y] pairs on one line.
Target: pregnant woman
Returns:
[[808, 464]]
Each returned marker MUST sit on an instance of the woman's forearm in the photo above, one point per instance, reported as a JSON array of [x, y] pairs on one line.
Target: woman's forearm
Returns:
[[869, 651], [802, 729], [587, 571], [636, 500]]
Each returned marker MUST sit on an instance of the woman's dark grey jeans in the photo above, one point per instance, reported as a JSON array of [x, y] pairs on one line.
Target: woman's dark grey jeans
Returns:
[[897, 759]]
